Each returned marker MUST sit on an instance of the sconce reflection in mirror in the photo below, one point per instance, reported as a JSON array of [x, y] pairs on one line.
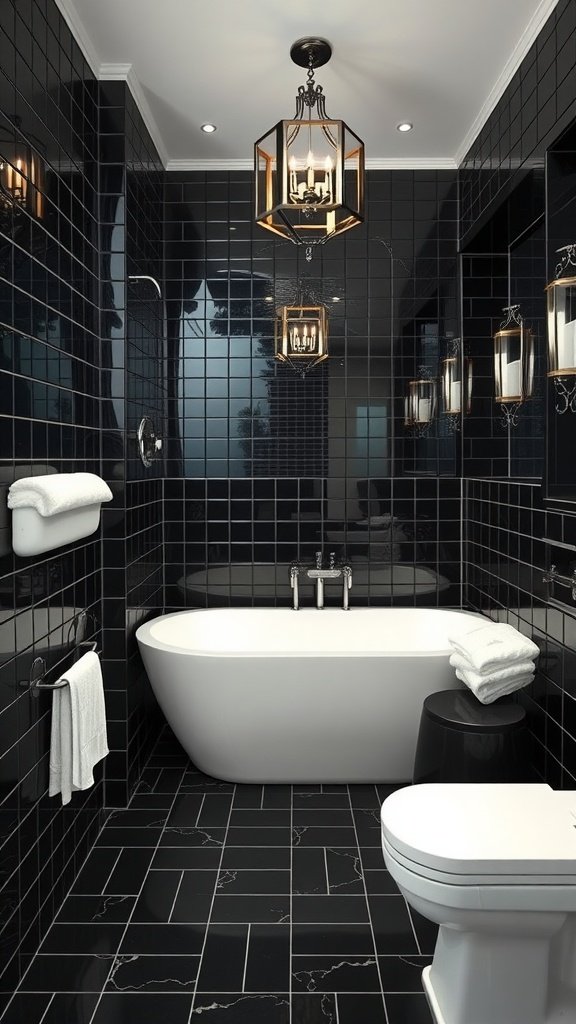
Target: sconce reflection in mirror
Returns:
[[562, 331], [302, 336], [22, 170], [420, 404], [513, 365], [456, 385]]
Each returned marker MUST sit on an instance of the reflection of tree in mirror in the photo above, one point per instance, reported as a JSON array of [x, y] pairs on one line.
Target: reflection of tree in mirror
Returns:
[[255, 431]]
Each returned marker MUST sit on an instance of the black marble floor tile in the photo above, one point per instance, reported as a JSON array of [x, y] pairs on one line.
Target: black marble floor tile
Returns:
[[71, 1008], [224, 958], [309, 871], [323, 801], [184, 836], [256, 858], [82, 938], [334, 974], [402, 973], [133, 973], [152, 817], [96, 908], [163, 939], [393, 931], [426, 932], [361, 1009], [70, 973], [186, 809], [26, 1008], [310, 835], [186, 858], [252, 883], [344, 871], [242, 836], [317, 1008], [129, 872], [329, 909], [96, 871], [268, 958], [215, 811], [231, 1008], [144, 1008], [408, 1009], [327, 939], [260, 817], [251, 909], [197, 925], [331, 817], [156, 900], [380, 883]]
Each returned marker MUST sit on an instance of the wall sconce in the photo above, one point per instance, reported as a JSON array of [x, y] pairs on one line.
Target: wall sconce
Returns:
[[21, 175], [420, 406], [309, 172], [456, 384], [513, 364], [301, 336], [562, 331]]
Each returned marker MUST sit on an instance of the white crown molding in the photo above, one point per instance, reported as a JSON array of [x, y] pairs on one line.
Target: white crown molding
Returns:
[[372, 164], [76, 26], [534, 26]]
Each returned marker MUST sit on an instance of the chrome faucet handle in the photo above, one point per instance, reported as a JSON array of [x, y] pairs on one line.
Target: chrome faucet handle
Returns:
[[318, 559]]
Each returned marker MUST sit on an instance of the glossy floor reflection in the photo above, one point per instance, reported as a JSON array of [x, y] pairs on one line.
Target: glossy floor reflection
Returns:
[[237, 904]]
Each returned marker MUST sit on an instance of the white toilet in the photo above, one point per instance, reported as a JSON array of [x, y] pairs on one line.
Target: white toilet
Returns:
[[495, 866]]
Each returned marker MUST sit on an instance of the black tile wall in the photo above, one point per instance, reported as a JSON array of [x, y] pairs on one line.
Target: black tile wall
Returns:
[[510, 540], [50, 420], [265, 465], [537, 105], [131, 197], [505, 258]]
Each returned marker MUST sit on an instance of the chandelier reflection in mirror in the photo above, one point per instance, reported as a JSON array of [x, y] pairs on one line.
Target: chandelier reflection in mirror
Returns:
[[513, 365], [562, 331], [21, 177], [309, 171], [302, 336]]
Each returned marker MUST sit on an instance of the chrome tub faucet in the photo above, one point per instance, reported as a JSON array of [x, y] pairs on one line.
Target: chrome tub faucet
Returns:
[[333, 572]]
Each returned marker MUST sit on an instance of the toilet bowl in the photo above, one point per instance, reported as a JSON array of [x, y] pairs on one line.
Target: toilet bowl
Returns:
[[495, 867]]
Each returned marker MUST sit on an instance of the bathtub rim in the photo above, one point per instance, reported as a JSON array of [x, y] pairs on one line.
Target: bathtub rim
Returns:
[[145, 638]]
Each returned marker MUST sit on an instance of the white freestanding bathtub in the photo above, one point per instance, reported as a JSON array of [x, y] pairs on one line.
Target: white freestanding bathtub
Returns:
[[274, 695]]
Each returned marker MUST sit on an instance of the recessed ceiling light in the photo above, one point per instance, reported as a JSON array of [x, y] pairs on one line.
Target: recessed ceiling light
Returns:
[[405, 126], [208, 128]]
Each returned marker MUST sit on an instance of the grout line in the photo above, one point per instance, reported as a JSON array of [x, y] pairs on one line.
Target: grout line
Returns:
[[120, 851], [175, 895], [246, 958], [368, 910], [200, 809], [327, 875], [208, 920], [50, 1001]]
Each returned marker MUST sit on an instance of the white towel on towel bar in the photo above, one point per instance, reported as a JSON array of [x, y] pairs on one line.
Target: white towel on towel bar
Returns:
[[78, 738], [493, 646], [58, 492]]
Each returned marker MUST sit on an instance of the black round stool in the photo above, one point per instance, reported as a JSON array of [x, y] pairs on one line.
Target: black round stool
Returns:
[[462, 740]]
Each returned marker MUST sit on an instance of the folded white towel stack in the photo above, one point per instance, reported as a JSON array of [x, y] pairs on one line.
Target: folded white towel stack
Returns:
[[78, 737], [493, 659], [59, 492]]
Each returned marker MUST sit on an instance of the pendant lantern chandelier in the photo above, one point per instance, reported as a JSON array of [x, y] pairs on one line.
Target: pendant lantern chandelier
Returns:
[[309, 171]]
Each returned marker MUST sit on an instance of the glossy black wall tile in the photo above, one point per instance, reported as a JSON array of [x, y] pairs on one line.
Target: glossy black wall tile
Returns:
[[50, 366]]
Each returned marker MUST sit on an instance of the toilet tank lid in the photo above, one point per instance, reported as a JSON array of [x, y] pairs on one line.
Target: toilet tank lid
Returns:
[[484, 828]]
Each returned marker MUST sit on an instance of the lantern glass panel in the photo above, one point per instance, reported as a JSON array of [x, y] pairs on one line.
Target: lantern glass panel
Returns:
[[562, 327], [451, 385], [508, 350]]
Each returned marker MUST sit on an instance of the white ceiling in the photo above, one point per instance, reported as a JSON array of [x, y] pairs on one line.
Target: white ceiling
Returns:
[[441, 64]]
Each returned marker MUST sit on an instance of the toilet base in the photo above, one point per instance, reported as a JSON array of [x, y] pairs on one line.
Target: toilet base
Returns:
[[431, 997]]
